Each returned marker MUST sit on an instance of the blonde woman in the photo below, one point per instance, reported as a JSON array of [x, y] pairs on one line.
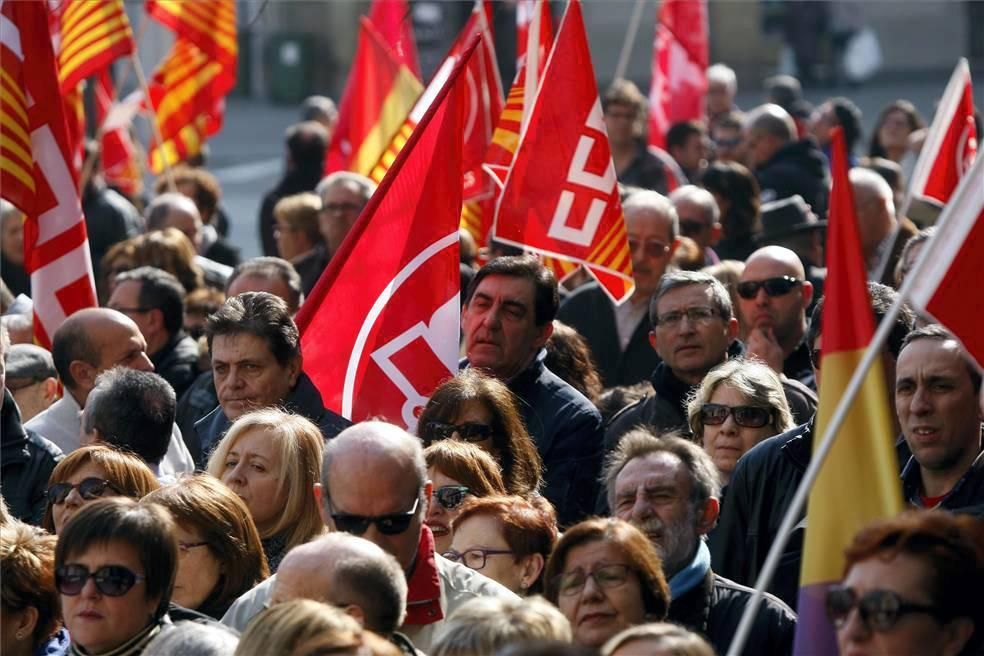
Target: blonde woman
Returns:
[[271, 459]]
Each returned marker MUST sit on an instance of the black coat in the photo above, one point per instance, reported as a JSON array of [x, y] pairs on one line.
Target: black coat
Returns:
[[26, 462], [589, 311], [109, 218], [177, 362], [198, 400], [645, 171], [714, 608], [797, 168]]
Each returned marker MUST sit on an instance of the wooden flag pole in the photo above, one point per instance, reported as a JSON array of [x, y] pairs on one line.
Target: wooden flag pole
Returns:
[[629, 42], [155, 126]]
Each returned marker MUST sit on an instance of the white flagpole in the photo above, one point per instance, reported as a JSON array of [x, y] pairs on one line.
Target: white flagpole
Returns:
[[630, 36]]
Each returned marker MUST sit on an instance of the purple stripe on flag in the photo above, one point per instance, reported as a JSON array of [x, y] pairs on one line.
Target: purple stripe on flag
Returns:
[[815, 635]]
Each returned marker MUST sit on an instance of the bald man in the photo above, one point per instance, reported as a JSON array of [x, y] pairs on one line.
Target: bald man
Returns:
[[174, 210], [86, 344], [773, 295], [874, 203]]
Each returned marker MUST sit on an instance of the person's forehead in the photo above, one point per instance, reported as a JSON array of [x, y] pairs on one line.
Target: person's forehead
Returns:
[[126, 289], [646, 220], [762, 268], [682, 297], [109, 333], [932, 357], [511, 288], [253, 283], [659, 468], [620, 108], [342, 190], [245, 345], [690, 209]]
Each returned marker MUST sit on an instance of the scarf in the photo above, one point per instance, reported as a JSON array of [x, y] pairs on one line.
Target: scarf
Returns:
[[424, 584], [132, 647], [687, 578]]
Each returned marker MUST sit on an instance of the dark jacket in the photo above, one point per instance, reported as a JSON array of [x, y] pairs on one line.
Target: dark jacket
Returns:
[[304, 399], [797, 168], [223, 252], [109, 218], [177, 362], [966, 496], [738, 248], [646, 171], [198, 400], [715, 606], [26, 462], [17, 278], [293, 182], [567, 431], [589, 311], [310, 266], [799, 366]]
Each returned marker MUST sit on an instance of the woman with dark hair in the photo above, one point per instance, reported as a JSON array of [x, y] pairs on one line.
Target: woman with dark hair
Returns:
[[605, 576], [29, 611], [457, 470], [114, 569], [220, 549], [737, 194], [569, 356], [912, 585], [890, 136], [477, 408]]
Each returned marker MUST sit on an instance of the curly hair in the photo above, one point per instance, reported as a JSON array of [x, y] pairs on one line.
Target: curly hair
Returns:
[[27, 576]]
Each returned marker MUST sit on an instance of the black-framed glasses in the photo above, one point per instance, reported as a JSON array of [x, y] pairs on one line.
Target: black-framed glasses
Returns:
[[474, 558], [698, 314], [777, 286], [89, 489], [451, 496], [606, 576], [650, 248], [111, 580], [393, 524], [691, 227], [469, 431], [749, 416], [879, 610]]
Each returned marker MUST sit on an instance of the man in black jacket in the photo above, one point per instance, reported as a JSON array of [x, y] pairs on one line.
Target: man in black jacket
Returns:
[[767, 475], [669, 488]]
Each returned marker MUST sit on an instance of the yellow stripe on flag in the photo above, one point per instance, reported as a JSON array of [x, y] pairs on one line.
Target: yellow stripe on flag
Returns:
[[399, 101]]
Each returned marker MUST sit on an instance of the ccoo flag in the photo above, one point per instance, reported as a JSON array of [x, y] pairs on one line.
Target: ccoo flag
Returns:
[[859, 480], [380, 329]]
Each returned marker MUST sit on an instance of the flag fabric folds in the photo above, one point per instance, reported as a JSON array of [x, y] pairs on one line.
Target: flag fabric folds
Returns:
[[392, 20], [859, 480], [380, 329], [951, 142], [560, 197], [93, 34], [945, 284], [680, 57], [36, 172]]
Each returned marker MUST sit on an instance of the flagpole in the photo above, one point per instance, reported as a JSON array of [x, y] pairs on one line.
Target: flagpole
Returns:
[[630, 37], [155, 126]]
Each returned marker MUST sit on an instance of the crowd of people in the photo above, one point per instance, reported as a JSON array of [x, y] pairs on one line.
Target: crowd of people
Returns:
[[596, 479]]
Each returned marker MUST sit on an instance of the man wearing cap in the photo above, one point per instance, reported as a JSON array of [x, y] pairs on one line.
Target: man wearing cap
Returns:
[[31, 378], [791, 223]]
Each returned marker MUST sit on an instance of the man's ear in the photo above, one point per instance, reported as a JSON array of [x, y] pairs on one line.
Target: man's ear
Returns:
[[322, 510], [49, 387], [807, 294], [156, 319], [709, 517], [543, 333], [716, 230], [294, 369], [652, 339], [357, 613], [732, 329], [83, 373], [532, 568]]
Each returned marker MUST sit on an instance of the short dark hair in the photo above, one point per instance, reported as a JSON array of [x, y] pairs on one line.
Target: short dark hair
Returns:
[[159, 290], [72, 342], [882, 298], [680, 132], [270, 267], [849, 119], [132, 410], [261, 314], [147, 528], [306, 143], [528, 267], [374, 585], [938, 333]]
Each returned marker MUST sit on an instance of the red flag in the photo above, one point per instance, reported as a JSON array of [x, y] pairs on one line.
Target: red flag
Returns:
[[560, 197], [951, 143], [380, 329], [118, 154], [679, 64], [945, 280], [393, 21], [36, 172]]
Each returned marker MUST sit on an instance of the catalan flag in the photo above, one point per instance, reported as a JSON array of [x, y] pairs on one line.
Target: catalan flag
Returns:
[[859, 481], [392, 20], [93, 34]]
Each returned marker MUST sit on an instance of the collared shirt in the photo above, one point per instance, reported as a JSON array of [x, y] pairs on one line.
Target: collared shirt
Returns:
[[967, 492], [628, 316]]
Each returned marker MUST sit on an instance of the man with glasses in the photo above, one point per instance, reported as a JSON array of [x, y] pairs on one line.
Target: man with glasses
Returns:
[[669, 488], [619, 334], [343, 195], [773, 295], [699, 219]]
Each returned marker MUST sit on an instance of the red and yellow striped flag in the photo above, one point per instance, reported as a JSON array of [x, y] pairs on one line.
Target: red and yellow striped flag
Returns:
[[93, 34]]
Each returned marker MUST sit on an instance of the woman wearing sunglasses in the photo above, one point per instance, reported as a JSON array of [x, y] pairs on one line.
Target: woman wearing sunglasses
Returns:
[[912, 586], [605, 576], [114, 569], [738, 404], [91, 473], [457, 470], [474, 407], [508, 539], [271, 459], [219, 549]]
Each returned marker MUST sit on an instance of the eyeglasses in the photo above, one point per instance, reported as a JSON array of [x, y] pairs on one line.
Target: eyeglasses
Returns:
[[879, 610], [111, 580], [387, 524], [749, 416], [185, 547], [650, 248], [699, 314], [606, 576], [451, 496], [469, 432], [773, 286], [474, 558], [689, 228], [89, 489], [341, 207]]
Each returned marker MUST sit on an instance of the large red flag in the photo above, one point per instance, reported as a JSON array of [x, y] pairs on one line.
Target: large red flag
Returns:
[[380, 329], [393, 21], [951, 142], [679, 64], [946, 283], [560, 197], [36, 172]]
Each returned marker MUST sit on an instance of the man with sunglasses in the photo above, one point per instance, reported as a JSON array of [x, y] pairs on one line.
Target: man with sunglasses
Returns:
[[669, 488], [699, 219], [773, 295]]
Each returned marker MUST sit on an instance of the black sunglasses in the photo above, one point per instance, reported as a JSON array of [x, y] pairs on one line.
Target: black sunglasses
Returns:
[[749, 416], [387, 524], [773, 286], [469, 432], [451, 496], [879, 610], [89, 489], [111, 580]]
